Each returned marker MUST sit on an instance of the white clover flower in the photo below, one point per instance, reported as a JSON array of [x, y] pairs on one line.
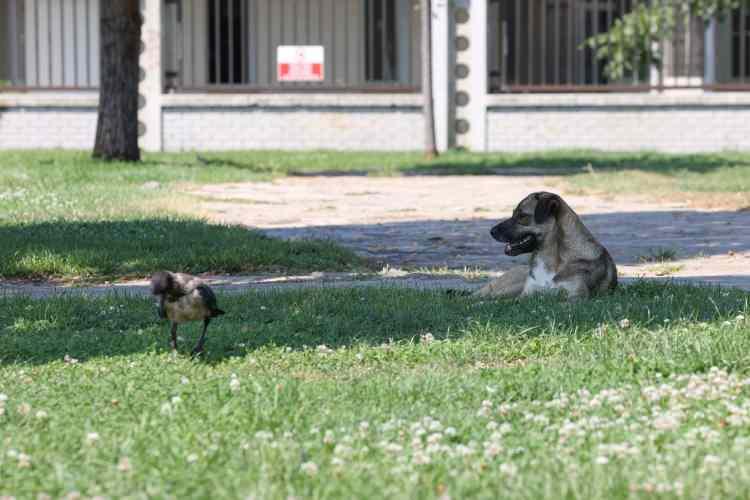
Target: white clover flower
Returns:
[[264, 435], [364, 426], [324, 350], [601, 460], [124, 464], [24, 461], [426, 338], [450, 431], [328, 437], [184, 380], [24, 409], [3, 398], [92, 438], [166, 409], [394, 448], [508, 469], [234, 383], [434, 438], [711, 461], [41, 414], [624, 323], [492, 450], [309, 468], [421, 458], [192, 458], [666, 422]]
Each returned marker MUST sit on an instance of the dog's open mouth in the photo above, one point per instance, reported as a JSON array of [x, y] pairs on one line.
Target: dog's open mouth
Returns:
[[523, 245]]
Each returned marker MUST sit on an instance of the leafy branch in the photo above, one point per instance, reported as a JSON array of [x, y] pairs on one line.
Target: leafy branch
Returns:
[[635, 37]]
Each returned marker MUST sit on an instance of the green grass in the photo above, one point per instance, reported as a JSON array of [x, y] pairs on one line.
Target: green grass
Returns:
[[415, 395], [65, 216]]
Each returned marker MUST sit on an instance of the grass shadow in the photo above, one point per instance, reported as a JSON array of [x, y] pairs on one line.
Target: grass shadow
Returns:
[[101, 250]]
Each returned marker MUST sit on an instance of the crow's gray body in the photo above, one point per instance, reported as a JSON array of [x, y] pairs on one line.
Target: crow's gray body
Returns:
[[184, 298]]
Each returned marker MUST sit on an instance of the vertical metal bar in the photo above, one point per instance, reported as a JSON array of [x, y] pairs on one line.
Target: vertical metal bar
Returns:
[[88, 45], [743, 35], [543, 30], [217, 40], [49, 43], [569, 77], [62, 42], [596, 29], [530, 40], [370, 33], [385, 37], [244, 23], [517, 48], [75, 44], [346, 37], [192, 42], [230, 34], [557, 43], [333, 42], [13, 41], [407, 37]]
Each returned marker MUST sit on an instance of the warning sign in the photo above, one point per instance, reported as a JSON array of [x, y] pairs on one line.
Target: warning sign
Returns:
[[300, 63]]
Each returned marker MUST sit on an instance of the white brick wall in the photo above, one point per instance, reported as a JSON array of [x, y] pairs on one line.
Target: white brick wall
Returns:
[[47, 128], [215, 128], [681, 124]]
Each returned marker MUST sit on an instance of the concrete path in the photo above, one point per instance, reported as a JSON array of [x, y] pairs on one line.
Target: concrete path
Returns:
[[414, 226], [444, 221]]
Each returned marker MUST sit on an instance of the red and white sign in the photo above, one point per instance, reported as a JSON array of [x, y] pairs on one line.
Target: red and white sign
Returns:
[[300, 63]]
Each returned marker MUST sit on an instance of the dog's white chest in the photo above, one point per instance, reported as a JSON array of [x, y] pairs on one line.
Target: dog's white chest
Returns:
[[540, 279]]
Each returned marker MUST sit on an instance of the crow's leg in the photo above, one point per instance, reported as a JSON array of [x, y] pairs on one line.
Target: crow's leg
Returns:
[[199, 346], [174, 336]]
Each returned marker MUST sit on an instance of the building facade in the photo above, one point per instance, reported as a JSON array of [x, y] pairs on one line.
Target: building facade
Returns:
[[509, 75]]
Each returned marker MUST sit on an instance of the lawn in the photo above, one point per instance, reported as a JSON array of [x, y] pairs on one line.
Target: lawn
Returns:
[[67, 217], [380, 393]]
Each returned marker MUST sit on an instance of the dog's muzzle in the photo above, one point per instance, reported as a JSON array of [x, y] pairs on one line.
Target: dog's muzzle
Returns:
[[515, 245], [523, 245]]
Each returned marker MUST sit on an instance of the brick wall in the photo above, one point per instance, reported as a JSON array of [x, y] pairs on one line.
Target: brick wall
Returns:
[[698, 123], [47, 128], [292, 128]]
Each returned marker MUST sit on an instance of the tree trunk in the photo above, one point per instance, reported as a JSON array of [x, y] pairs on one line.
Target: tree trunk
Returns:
[[430, 150], [117, 126]]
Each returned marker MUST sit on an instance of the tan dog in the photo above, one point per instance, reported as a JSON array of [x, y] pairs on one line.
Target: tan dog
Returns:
[[564, 254]]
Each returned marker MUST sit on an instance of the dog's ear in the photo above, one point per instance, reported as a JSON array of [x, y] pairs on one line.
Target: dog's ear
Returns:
[[547, 206]]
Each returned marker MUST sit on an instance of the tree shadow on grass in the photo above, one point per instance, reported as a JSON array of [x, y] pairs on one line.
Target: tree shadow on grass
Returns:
[[39, 332], [138, 247]]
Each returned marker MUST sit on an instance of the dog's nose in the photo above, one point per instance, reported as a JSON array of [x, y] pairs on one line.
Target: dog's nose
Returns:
[[495, 231]]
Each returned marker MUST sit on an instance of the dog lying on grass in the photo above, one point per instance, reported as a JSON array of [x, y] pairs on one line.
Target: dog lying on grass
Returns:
[[564, 254]]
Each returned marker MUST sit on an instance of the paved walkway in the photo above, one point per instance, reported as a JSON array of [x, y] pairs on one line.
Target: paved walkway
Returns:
[[442, 222]]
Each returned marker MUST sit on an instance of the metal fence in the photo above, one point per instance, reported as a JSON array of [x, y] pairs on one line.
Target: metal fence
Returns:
[[49, 44], [231, 45], [538, 46]]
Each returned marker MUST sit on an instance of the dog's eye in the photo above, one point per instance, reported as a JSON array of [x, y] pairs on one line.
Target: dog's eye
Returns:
[[524, 219]]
